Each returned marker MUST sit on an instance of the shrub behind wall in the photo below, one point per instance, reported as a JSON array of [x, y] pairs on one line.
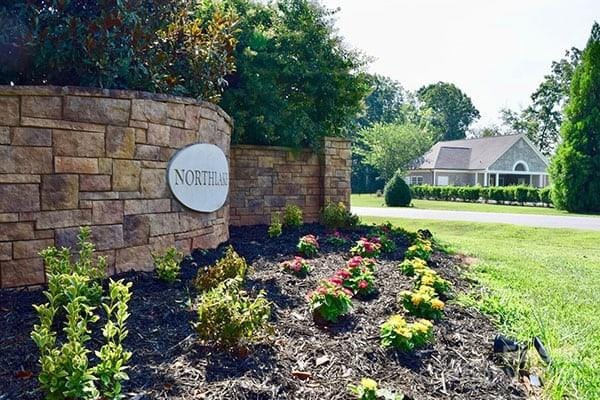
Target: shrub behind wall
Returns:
[[520, 194]]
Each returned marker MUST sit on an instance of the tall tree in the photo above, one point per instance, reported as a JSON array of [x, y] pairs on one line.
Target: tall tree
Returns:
[[453, 109], [541, 120], [295, 81], [574, 169]]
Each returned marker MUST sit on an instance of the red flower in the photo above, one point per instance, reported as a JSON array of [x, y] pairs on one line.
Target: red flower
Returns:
[[336, 281], [354, 261], [363, 284], [342, 273]]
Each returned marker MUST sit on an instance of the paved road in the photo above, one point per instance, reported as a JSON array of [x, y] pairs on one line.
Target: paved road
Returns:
[[545, 221]]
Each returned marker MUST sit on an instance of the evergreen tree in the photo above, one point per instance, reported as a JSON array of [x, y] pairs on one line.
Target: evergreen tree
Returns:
[[575, 169]]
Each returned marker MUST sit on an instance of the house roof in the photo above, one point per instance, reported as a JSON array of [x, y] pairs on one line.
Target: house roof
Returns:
[[473, 154]]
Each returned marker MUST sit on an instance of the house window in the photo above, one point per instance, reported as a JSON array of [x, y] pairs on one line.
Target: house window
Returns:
[[416, 180], [520, 166], [442, 180]]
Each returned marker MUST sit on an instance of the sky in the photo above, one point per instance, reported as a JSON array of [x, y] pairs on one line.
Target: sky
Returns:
[[496, 51]]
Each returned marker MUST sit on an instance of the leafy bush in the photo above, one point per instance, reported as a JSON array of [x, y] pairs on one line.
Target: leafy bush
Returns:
[[387, 244], [227, 315], [308, 245], [357, 261], [359, 279], [366, 248], [275, 228], [74, 289], [336, 239], [330, 301], [367, 390], [121, 45], [298, 266], [413, 266], [428, 277], [421, 249], [336, 216], [499, 194], [292, 216], [167, 265], [397, 192], [230, 266], [399, 334], [545, 195], [422, 303]]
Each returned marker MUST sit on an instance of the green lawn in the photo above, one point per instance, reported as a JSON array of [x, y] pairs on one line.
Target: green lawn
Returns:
[[539, 281], [370, 200]]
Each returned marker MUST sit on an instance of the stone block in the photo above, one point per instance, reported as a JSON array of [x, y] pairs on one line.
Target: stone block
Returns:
[[147, 206], [107, 212], [190, 221], [44, 234], [9, 217], [94, 183], [160, 244], [184, 245], [63, 219], [149, 111], [126, 175], [30, 248], [17, 178], [120, 142], [97, 110], [105, 166], [75, 165], [136, 229], [147, 152], [9, 110], [61, 124], [159, 134], [154, 183], [32, 137], [41, 107], [137, 258], [4, 135], [22, 272], [60, 192], [166, 153], [209, 241], [78, 144], [176, 111], [192, 117], [182, 137], [5, 251], [207, 130], [163, 224], [19, 197], [104, 237], [140, 135], [98, 196], [16, 231], [25, 160]]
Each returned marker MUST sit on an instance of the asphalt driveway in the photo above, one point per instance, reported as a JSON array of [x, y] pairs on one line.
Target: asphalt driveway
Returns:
[[543, 221]]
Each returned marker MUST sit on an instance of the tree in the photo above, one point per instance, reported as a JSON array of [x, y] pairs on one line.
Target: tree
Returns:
[[392, 147], [541, 120], [453, 109], [574, 168], [295, 81], [486, 131]]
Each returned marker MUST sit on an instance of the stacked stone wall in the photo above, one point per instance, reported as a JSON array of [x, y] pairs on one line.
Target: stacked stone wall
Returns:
[[71, 157]]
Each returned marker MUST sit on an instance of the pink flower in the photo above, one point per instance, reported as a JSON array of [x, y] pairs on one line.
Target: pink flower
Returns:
[[354, 261], [363, 284], [336, 281], [376, 240], [342, 273], [322, 290], [348, 292]]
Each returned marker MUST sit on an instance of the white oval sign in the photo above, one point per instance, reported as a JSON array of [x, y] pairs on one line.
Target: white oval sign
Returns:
[[198, 176]]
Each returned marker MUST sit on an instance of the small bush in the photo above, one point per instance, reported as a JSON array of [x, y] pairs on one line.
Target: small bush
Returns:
[[359, 279], [275, 228], [292, 216], [227, 316], [397, 192], [298, 266], [335, 216], [330, 301], [167, 265], [399, 334], [545, 195], [421, 249], [357, 261], [366, 248], [308, 245], [230, 266], [367, 390], [336, 239], [73, 294], [422, 303], [413, 266], [428, 277]]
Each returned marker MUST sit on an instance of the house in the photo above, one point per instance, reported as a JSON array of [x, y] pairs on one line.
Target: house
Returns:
[[489, 161]]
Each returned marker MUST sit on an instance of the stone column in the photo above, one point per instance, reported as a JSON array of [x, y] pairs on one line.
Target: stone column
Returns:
[[336, 170]]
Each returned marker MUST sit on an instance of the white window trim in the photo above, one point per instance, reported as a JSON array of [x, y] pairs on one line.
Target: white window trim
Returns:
[[414, 180], [521, 162]]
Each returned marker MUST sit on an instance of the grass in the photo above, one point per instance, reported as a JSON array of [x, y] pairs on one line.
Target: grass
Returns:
[[370, 200], [540, 282]]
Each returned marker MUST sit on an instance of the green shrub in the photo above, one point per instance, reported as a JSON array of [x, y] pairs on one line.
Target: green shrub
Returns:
[[230, 266], [397, 192], [498, 194], [73, 294], [308, 245], [485, 193], [275, 228], [545, 195], [412, 266], [227, 315], [167, 265], [121, 45], [422, 302], [399, 334], [336, 216], [292, 216], [420, 249], [330, 301], [520, 194], [367, 390]]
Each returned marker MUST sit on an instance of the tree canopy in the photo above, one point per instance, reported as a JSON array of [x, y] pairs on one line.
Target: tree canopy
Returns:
[[295, 80], [574, 169], [452, 108]]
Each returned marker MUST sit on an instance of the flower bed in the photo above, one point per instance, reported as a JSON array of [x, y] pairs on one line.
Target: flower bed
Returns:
[[301, 360]]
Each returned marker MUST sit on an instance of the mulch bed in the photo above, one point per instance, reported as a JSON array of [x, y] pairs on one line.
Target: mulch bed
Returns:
[[168, 361]]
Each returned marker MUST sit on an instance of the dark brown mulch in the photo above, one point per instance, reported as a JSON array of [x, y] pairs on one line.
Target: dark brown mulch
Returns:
[[168, 362]]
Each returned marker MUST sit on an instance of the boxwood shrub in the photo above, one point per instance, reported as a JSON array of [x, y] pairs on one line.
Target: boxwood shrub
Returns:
[[501, 194]]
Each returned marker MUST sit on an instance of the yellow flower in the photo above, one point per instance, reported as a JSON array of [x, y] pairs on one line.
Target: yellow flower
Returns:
[[403, 331], [437, 304], [427, 280], [416, 299], [396, 320], [368, 383]]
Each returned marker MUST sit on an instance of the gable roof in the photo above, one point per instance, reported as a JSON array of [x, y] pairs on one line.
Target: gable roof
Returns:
[[473, 154]]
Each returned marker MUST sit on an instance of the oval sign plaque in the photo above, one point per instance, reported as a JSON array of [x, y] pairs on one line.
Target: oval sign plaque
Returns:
[[198, 176]]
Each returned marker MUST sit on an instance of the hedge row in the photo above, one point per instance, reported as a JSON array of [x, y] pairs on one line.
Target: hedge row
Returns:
[[502, 194]]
